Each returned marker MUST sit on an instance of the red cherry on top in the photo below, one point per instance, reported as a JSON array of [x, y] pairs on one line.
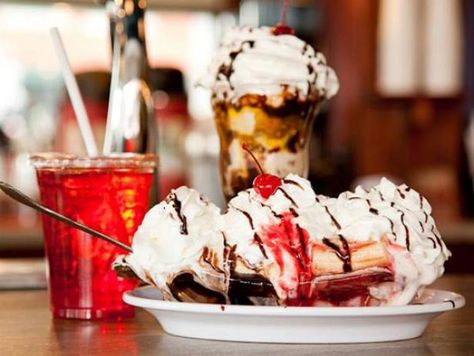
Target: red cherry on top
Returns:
[[264, 184], [281, 29]]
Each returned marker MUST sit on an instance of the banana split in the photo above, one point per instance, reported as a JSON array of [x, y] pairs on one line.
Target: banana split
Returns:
[[279, 243]]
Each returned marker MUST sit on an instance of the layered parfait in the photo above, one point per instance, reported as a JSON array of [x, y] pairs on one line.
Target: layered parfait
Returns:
[[267, 86]]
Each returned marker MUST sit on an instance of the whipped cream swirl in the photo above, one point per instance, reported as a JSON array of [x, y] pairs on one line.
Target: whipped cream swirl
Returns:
[[279, 238], [180, 235], [387, 211], [248, 214], [255, 61]]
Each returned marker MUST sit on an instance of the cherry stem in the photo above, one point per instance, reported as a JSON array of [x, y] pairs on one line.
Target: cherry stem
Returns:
[[284, 11], [246, 148]]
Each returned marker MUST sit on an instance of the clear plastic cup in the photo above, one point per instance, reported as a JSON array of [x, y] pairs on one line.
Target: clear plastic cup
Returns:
[[109, 194]]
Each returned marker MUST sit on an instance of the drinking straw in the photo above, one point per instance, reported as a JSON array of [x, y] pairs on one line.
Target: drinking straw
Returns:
[[112, 110], [74, 94]]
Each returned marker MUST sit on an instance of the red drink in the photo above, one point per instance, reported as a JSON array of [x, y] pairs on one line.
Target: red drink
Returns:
[[109, 195]]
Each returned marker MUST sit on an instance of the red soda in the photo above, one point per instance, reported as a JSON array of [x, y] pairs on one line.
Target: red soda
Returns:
[[110, 196]]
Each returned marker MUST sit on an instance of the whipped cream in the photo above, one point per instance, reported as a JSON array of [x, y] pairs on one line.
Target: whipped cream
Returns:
[[248, 213], [255, 61], [397, 213], [180, 235], [276, 238]]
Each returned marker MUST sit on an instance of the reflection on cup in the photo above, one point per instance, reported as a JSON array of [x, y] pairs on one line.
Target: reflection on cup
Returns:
[[109, 194]]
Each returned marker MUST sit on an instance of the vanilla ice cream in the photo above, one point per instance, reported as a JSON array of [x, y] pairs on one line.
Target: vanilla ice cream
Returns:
[[180, 235]]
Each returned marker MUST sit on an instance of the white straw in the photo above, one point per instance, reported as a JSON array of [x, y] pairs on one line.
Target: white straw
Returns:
[[74, 94], [112, 110]]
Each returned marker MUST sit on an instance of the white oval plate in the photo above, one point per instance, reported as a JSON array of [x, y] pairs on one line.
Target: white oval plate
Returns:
[[295, 324]]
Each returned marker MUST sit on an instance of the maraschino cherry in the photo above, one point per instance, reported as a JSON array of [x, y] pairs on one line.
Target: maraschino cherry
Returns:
[[264, 184], [282, 28]]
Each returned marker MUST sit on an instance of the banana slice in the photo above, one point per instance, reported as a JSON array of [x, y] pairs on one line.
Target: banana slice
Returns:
[[333, 257]]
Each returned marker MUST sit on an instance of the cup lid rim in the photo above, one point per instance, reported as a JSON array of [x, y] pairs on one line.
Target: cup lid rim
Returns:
[[65, 160]]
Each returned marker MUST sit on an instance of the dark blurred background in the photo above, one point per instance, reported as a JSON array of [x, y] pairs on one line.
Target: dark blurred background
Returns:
[[405, 108]]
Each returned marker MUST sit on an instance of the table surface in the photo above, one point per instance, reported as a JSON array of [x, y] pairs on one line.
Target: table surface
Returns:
[[26, 328]]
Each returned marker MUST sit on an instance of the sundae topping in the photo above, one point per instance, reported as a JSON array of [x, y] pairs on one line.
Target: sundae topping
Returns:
[[285, 262], [376, 247], [180, 235], [281, 29], [264, 184], [397, 216], [256, 61]]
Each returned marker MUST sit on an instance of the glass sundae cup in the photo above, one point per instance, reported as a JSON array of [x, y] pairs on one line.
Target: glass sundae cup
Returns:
[[276, 129], [267, 88]]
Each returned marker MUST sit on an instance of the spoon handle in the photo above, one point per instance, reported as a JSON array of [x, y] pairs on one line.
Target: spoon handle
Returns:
[[22, 198]]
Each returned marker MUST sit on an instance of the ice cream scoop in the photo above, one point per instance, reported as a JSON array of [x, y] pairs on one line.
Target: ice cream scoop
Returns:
[[264, 240], [377, 247], [392, 225], [179, 243]]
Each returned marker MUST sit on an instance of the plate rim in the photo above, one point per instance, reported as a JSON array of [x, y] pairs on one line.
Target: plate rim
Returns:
[[131, 297]]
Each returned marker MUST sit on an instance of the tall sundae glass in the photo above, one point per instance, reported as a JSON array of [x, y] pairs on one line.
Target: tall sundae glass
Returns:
[[267, 89]]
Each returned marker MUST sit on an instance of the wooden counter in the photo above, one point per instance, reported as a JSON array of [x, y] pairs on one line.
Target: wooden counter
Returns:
[[26, 328]]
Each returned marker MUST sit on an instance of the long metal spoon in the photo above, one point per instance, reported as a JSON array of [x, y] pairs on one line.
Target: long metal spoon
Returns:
[[24, 199]]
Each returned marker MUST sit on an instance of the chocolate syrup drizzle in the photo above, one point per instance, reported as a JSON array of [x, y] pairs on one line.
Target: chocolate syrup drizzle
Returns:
[[259, 242], [381, 196], [333, 219], [407, 233], [227, 70], [301, 258], [294, 213], [433, 241], [422, 226], [256, 237], [401, 193], [421, 202], [173, 199], [209, 258], [290, 181], [392, 225], [287, 196], [374, 211], [343, 255], [436, 236]]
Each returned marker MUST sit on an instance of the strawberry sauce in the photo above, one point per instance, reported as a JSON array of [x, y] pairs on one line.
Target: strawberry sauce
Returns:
[[289, 245]]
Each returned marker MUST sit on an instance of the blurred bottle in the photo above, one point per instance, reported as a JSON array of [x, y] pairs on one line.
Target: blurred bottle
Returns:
[[130, 123], [172, 117]]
